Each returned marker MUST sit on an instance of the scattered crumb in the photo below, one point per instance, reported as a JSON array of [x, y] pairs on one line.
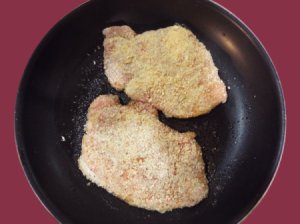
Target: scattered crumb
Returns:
[[94, 62], [98, 47], [228, 87], [88, 184], [218, 188], [214, 203], [88, 54], [63, 139], [214, 149], [254, 96]]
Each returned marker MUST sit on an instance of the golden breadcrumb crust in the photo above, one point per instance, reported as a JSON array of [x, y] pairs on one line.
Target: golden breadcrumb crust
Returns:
[[130, 153], [169, 68]]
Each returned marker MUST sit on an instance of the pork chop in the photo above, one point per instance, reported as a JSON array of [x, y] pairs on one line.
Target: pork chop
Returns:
[[130, 153], [169, 68]]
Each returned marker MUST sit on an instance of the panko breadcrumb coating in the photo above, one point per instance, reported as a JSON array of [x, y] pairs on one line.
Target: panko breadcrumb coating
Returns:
[[130, 153], [169, 68]]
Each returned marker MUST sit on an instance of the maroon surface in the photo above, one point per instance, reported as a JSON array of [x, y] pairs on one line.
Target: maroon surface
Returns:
[[24, 23]]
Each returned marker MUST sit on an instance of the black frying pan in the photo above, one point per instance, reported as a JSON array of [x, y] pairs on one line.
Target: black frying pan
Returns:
[[242, 140]]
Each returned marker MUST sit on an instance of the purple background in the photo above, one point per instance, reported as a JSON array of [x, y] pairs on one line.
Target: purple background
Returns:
[[23, 25]]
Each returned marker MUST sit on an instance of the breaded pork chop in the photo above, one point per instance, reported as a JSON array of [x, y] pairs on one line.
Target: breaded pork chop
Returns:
[[130, 153], [168, 68]]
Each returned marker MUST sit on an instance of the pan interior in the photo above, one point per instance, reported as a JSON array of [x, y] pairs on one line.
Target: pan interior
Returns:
[[241, 140]]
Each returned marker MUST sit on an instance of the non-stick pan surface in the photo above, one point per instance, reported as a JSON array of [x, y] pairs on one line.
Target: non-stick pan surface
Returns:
[[242, 140]]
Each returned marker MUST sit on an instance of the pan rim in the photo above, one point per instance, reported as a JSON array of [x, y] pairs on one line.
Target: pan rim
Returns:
[[263, 51], [21, 151], [23, 159]]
